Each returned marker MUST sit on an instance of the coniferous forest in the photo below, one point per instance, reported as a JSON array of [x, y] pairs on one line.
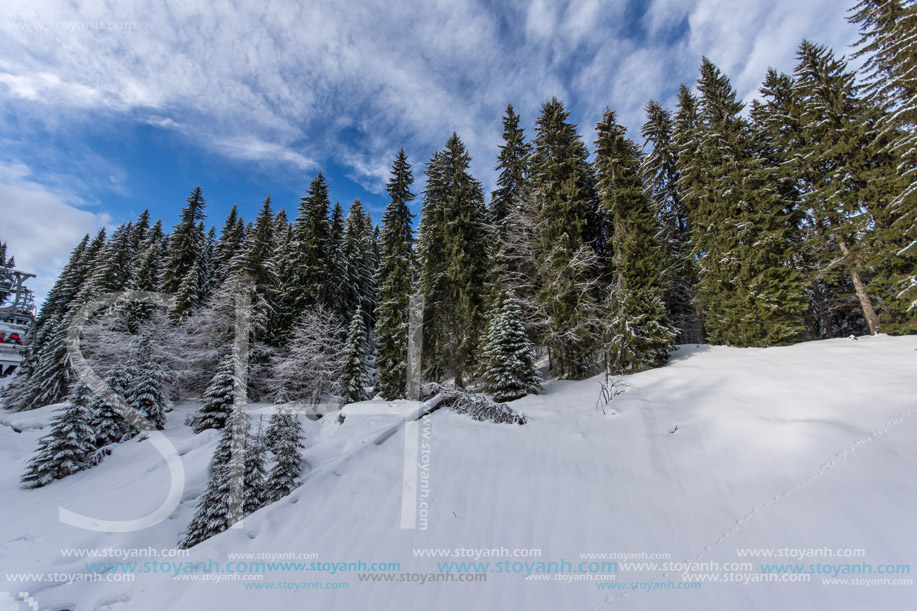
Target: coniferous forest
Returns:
[[787, 219]]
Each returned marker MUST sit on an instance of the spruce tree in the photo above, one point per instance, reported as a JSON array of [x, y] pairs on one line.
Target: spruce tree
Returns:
[[359, 284], [567, 233], [512, 165], [353, 370], [508, 211], [215, 509], [217, 403], [284, 437], [741, 231], [341, 290], [639, 335], [508, 358], [107, 424], [185, 245], [394, 279], [230, 242], [311, 251], [834, 164], [453, 263], [659, 170], [255, 472], [147, 393], [70, 445]]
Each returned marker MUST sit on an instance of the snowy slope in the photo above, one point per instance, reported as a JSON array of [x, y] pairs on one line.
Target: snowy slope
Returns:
[[808, 446]]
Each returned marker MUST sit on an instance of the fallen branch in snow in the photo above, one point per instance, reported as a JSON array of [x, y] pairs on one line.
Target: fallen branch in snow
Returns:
[[476, 405]]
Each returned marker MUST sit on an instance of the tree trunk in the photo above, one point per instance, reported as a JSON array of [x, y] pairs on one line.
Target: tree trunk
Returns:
[[865, 302]]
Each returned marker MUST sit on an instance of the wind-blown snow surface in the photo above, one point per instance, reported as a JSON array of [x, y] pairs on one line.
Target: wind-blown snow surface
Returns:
[[808, 446]]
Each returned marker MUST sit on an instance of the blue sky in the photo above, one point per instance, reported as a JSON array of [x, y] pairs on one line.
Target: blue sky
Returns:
[[107, 108]]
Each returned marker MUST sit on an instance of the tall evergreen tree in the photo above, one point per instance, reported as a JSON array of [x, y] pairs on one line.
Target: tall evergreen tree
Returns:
[[567, 234], [661, 178], [639, 334], [353, 370], [741, 229], [47, 376], [512, 165], [453, 263], [311, 252], [394, 279], [185, 245], [147, 392]]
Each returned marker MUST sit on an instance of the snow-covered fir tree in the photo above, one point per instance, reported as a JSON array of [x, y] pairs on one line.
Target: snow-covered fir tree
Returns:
[[284, 438], [108, 425], [217, 402], [354, 361], [147, 392], [69, 447], [508, 357], [217, 510], [255, 471]]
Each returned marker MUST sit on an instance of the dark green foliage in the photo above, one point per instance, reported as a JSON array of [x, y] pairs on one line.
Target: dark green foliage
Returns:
[[70, 445], [394, 279], [568, 239]]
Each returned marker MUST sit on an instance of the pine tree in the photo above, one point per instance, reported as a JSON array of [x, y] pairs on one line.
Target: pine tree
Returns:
[[311, 251], [512, 165], [217, 403], [453, 263], [353, 370], [185, 245], [833, 163], [639, 334], [394, 279], [255, 260], [216, 510], [107, 424], [114, 268], [741, 231], [360, 286], [147, 393], [508, 358], [230, 242], [255, 472], [431, 265], [888, 40], [284, 437], [659, 170], [567, 233], [341, 290], [70, 445], [507, 206]]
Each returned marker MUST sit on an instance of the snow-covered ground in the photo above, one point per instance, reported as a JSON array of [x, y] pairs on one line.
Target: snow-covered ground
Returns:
[[811, 446]]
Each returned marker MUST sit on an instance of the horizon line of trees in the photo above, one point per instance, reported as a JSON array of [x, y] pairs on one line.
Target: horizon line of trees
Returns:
[[796, 222]]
